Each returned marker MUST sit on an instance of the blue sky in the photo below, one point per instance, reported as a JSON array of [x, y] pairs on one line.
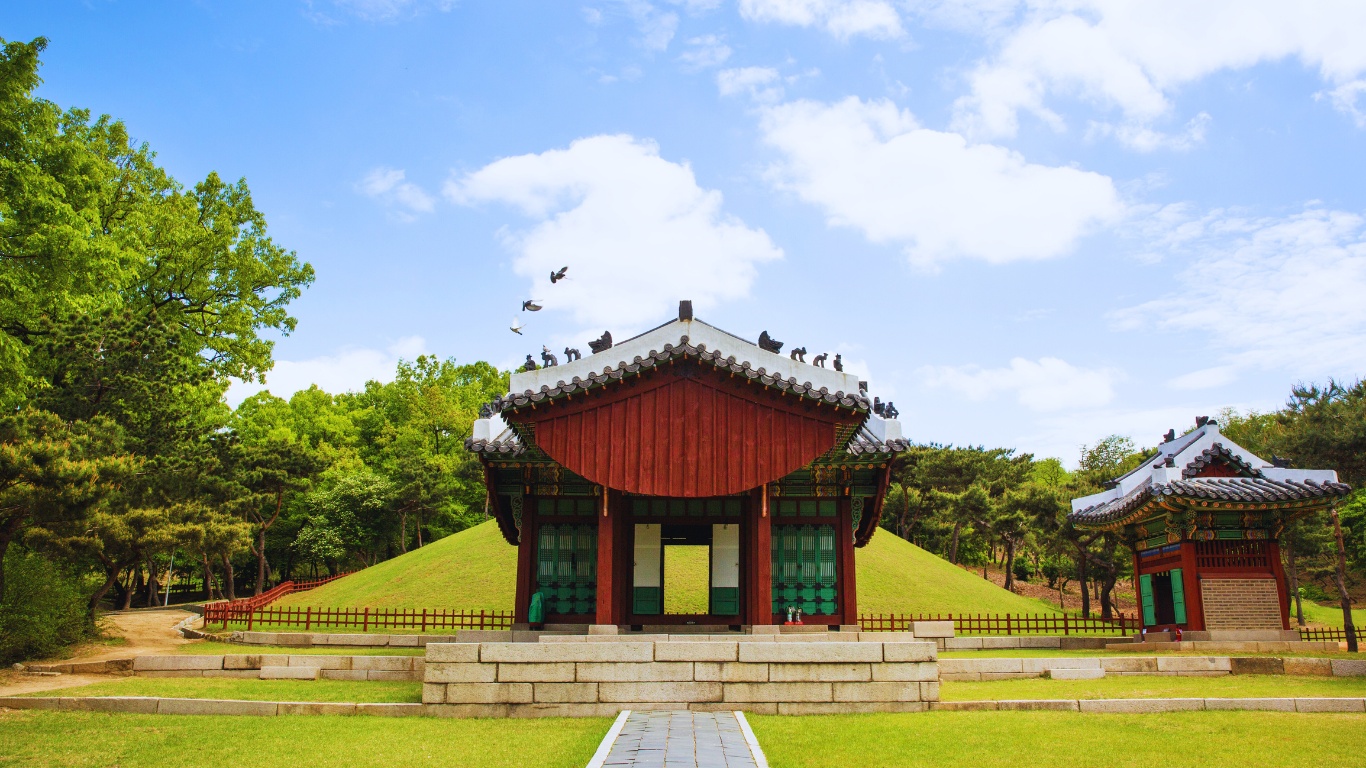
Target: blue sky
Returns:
[[1029, 224]]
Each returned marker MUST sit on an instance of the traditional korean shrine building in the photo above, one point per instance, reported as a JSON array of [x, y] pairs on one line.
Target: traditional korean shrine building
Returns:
[[686, 435], [1203, 517]]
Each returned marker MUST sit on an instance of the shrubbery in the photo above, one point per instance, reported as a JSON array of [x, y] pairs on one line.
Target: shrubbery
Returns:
[[43, 611]]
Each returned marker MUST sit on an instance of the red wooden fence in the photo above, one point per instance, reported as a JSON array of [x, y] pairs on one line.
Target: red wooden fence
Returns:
[[1004, 623], [365, 619], [220, 611], [1330, 634]]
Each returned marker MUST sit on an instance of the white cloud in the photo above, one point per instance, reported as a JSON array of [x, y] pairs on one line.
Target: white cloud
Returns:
[[1047, 385], [705, 52], [1269, 293], [760, 83], [871, 166], [403, 198], [656, 27], [636, 231], [345, 371], [1205, 378], [1345, 98], [842, 18], [1145, 139], [1131, 55]]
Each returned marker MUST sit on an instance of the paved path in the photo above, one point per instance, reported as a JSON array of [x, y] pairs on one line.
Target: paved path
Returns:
[[681, 740]]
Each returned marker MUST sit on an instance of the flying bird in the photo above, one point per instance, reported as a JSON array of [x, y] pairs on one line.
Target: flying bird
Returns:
[[557, 276], [516, 326], [530, 305]]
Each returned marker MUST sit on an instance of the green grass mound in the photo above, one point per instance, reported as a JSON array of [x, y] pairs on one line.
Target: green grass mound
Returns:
[[475, 569]]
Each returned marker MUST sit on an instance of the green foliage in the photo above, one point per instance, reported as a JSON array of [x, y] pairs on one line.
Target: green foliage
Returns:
[[43, 609]]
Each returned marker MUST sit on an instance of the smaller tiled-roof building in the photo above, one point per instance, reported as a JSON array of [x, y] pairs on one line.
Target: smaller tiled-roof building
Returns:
[[1203, 517]]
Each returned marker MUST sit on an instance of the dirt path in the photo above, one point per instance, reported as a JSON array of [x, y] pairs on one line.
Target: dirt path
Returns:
[[144, 632]]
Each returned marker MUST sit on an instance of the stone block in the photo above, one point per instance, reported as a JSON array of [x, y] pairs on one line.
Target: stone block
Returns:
[[894, 672], [392, 710], [495, 711], [177, 663], [382, 674], [138, 705], [527, 653], [242, 661], [1074, 674], [811, 652], [256, 638], [482, 636], [660, 692], [216, 707], [1308, 667], [239, 674], [321, 662], [963, 644], [274, 660], [174, 673], [405, 641], [963, 706], [1349, 667], [751, 708], [316, 708], [929, 691], [1041, 642], [820, 673], [558, 672], [383, 663], [961, 677], [369, 640], [932, 629], [30, 702], [961, 666], [1000, 642], [1039, 666], [562, 639], [1256, 665], [449, 652], [1193, 664], [766, 629], [883, 637], [847, 707], [877, 692], [1142, 665], [1035, 705], [1140, 705], [295, 639], [585, 709], [657, 672], [730, 672], [488, 693], [1272, 705], [634, 637], [779, 692], [562, 693], [433, 693], [1329, 705], [290, 673], [461, 673], [602, 629], [700, 651], [907, 652], [344, 674]]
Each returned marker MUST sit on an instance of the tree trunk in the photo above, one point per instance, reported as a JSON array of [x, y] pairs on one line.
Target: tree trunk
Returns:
[[111, 577], [1346, 600], [403, 532], [1010, 566], [1294, 575], [208, 577], [153, 584], [1107, 588], [134, 585], [261, 541], [905, 511], [1083, 581], [229, 579], [419, 530], [7, 535], [953, 547]]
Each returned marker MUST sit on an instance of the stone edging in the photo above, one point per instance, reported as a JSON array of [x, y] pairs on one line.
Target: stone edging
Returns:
[[168, 706], [279, 666], [605, 747], [972, 670]]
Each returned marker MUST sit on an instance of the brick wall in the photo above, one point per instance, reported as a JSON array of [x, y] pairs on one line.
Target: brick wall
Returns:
[[1240, 603]]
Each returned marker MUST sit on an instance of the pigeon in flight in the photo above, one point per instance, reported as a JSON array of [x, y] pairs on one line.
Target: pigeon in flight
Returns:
[[530, 305], [557, 276], [516, 326]]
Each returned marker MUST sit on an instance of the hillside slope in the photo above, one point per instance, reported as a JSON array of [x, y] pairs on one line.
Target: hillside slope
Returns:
[[475, 569]]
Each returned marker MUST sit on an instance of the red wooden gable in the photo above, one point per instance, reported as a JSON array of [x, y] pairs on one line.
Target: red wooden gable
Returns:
[[685, 432], [1219, 468]]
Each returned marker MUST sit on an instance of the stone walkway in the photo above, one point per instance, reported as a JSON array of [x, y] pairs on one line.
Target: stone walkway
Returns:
[[681, 740]]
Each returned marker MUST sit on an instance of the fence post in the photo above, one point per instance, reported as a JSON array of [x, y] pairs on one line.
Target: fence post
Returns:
[[308, 619], [1008, 632], [424, 619], [365, 625], [1064, 623], [251, 615]]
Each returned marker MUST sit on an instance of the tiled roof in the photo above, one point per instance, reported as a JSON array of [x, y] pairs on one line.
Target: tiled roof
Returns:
[[851, 400], [1236, 490], [1218, 453], [506, 445]]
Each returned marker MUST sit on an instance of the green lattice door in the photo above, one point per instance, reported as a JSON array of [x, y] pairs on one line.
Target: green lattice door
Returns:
[[567, 568], [804, 573]]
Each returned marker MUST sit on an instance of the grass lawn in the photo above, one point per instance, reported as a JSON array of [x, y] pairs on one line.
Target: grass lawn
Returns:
[[1032, 653], [1329, 615], [1051, 739], [81, 739], [1157, 687], [476, 569], [214, 648], [384, 692]]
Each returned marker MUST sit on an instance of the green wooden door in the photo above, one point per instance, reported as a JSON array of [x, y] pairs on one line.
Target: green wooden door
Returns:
[[1178, 597], [1145, 589]]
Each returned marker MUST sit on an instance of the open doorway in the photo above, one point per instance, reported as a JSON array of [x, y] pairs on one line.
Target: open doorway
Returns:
[[686, 570]]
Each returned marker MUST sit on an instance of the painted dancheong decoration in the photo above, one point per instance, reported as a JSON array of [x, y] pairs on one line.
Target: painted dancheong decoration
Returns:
[[686, 434], [1203, 517]]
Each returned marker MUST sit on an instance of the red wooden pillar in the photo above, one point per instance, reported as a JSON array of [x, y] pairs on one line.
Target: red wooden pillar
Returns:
[[606, 613], [1190, 583], [848, 596], [1138, 591], [763, 561], [526, 562], [1273, 551]]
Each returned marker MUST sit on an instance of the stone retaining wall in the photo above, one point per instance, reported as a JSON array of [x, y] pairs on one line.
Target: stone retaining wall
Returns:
[[587, 678], [1187, 666], [1157, 705], [282, 667]]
